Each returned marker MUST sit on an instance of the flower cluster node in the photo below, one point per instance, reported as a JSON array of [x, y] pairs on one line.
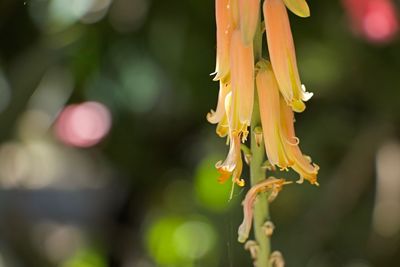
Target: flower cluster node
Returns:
[[269, 228], [268, 166], [247, 153], [253, 248], [258, 135], [276, 259]]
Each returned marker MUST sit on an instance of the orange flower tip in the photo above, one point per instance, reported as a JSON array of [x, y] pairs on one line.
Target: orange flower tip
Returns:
[[298, 7], [223, 177], [298, 106]]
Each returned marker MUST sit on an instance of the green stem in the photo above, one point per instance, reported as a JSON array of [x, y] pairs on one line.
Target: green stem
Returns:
[[257, 173], [261, 209]]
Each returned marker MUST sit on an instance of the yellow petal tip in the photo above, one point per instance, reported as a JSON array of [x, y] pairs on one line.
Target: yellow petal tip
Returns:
[[298, 106], [298, 7]]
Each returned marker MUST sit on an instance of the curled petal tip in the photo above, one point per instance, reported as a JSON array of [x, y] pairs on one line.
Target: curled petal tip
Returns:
[[210, 115]]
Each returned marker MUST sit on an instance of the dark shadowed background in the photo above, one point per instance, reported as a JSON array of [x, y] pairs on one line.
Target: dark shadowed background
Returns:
[[106, 158]]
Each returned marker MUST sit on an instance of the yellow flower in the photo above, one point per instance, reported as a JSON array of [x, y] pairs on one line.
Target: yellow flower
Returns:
[[282, 54], [277, 119]]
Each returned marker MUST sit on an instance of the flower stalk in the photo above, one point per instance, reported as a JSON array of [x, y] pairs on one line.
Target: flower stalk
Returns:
[[257, 173]]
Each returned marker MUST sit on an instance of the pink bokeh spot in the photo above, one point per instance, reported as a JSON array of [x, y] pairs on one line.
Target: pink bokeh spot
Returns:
[[377, 26], [83, 125], [376, 20]]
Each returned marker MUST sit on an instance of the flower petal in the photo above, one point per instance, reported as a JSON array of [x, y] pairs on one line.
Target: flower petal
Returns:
[[223, 17], [217, 115], [268, 95], [248, 16], [298, 7], [232, 165], [242, 76], [282, 53], [302, 164]]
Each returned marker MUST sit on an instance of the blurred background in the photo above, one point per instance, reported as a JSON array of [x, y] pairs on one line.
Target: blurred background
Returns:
[[106, 158]]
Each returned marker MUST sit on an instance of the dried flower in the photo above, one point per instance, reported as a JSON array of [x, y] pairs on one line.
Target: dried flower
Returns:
[[273, 184]]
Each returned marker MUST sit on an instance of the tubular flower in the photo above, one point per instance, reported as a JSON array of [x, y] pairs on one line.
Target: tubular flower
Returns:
[[277, 119], [279, 94], [273, 184], [242, 76], [230, 125], [237, 131], [224, 21], [235, 106], [233, 165], [282, 54], [248, 17]]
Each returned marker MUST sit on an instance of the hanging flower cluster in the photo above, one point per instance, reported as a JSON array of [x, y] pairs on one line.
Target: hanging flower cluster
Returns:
[[277, 83]]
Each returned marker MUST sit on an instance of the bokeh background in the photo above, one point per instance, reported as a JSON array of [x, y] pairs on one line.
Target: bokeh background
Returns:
[[106, 158]]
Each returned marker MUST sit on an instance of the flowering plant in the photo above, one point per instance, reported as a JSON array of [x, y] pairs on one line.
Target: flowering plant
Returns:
[[262, 95]]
